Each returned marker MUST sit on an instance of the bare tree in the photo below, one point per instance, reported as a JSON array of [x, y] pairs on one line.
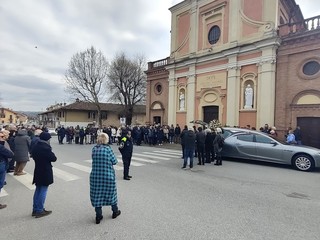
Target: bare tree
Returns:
[[86, 77], [127, 83]]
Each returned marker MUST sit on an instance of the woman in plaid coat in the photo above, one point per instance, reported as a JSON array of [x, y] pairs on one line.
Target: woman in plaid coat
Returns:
[[103, 189]]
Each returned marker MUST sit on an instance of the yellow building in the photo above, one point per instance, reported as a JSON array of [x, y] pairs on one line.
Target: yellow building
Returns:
[[8, 116], [84, 113]]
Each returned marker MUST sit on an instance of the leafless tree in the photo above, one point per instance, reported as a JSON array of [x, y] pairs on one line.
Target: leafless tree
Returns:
[[86, 77], [127, 83]]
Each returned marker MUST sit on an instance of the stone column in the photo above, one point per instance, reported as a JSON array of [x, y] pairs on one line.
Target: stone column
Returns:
[[233, 92]]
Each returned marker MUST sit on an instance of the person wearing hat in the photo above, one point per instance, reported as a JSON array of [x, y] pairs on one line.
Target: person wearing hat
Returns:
[[43, 175], [126, 149]]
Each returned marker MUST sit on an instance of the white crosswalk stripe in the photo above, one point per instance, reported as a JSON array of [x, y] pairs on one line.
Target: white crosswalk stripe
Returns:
[[169, 153], [26, 180], [151, 155], [3, 193], [64, 175], [78, 167], [138, 160]]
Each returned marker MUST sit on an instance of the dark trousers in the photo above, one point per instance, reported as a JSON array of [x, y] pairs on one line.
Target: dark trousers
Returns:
[[126, 165], [183, 147], [11, 165], [201, 154], [98, 210], [210, 155]]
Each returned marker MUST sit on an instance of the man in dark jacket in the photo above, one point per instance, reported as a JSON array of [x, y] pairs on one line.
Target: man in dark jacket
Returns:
[[43, 175], [189, 141], [200, 140], [5, 153], [126, 149]]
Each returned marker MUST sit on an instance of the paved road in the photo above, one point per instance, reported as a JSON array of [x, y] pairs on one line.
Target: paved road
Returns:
[[235, 201]]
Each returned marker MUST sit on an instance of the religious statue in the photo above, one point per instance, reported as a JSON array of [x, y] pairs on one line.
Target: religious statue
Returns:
[[248, 97], [181, 101]]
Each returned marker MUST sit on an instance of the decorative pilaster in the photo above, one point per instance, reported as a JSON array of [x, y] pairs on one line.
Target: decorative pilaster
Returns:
[[191, 96], [266, 88], [172, 106], [233, 92]]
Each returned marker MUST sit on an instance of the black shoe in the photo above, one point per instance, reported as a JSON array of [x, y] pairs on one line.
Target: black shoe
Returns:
[[42, 214], [183, 167], [2, 206], [126, 178], [116, 214], [216, 164], [199, 163], [98, 219], [10, 170], [129, 176]]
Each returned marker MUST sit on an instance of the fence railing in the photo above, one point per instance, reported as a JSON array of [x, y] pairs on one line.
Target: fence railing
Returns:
[[308, 24], [158, 63]]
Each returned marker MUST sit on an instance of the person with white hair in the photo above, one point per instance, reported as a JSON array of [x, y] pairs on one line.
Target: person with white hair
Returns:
[[217, 145], [103, 189]]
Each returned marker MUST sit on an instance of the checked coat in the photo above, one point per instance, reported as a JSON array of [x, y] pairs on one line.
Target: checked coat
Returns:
[[103, 189]]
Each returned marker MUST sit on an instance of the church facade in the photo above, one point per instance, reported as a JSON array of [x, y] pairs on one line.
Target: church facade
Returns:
[[231, 60]]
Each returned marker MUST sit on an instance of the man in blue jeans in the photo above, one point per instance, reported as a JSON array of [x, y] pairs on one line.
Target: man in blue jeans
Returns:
[[189, 141], [5, 153], [43, 175]]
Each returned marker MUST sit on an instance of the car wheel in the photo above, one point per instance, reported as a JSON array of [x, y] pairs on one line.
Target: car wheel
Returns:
[[303, 162]]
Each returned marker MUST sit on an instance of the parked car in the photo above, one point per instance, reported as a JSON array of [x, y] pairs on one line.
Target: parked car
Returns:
[[52, 132], [253, 145]]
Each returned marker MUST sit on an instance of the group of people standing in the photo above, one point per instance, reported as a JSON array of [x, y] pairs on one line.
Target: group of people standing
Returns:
[[206, 144], [15, 148], [103, 191]]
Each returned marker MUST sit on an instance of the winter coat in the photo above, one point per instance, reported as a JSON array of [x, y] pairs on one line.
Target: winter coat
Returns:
[[22, 144], [43, 156], [200, 137], [5, 153], [208, 145], [126, 147], [189, 139], [103, 189], [216, 142]]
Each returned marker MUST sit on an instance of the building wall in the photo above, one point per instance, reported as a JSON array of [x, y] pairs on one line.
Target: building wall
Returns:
[[298, 95], [8, 116], [216, 74]]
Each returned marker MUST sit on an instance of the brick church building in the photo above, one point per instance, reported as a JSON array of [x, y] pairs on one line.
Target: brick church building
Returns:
[[243, 62]]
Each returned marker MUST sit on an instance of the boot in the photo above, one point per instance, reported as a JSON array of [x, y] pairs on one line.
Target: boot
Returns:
[[98, 219], [116, 214]]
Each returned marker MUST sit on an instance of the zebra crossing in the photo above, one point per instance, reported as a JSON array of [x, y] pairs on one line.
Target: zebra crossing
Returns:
[[138, 160]]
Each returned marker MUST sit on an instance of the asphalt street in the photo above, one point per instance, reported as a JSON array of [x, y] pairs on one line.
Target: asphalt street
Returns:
[[236, 201]]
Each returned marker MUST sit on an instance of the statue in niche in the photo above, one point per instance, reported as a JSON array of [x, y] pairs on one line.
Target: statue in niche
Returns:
[[248, 97], [181, 101]]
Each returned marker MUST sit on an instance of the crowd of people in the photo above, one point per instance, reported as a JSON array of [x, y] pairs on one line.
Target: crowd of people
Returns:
[[17, 145]]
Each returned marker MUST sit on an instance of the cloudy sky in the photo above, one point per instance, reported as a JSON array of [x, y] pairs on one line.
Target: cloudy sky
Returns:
[[39, 37]]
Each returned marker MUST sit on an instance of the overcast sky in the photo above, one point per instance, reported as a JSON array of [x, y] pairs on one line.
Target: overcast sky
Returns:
[[39, 37]]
